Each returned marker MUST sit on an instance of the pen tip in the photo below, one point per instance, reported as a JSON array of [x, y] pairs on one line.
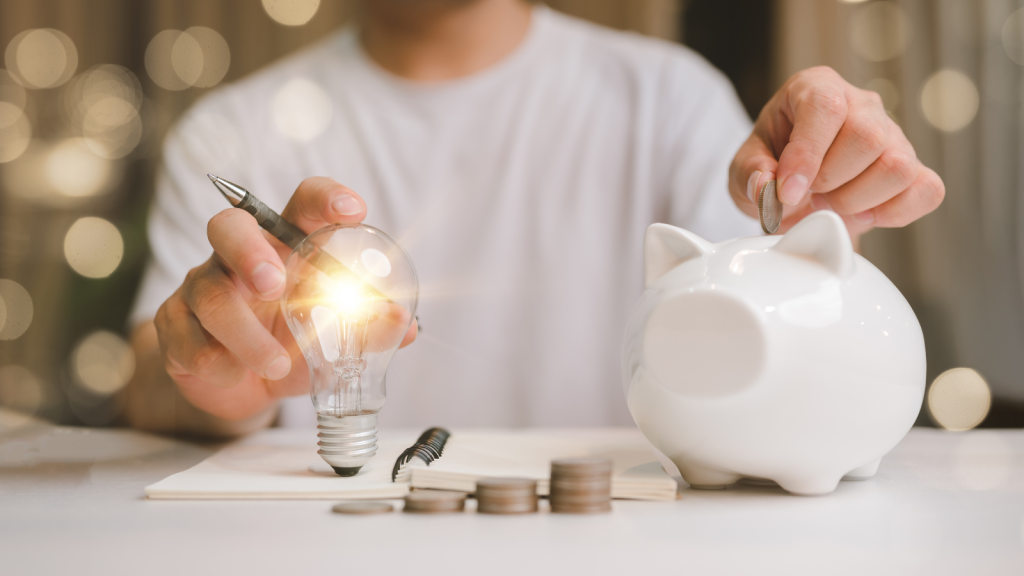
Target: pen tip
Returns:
[[211, 177]]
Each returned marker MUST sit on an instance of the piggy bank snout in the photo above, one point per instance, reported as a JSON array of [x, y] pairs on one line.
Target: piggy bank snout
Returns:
[[704, 344]]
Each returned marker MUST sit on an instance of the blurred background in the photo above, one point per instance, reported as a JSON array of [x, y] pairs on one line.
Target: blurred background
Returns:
[[88, 90]]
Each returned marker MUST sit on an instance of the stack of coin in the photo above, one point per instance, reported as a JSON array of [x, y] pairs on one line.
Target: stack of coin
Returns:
[[364, 507], [434, 501], [581, 486], [506, 495]]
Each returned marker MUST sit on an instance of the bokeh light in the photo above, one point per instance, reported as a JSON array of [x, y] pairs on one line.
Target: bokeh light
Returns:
[[187, 58], [93, 247], [102, 104], [10, 90], [199, 57], [19, 311], [949, 100], [301, 109], [959, 399], [61, 174], [15, 132], [158, 61], [20, 392], [15, 128], [3, 313], [887, 90], [41, 58], [291, 12], [73, 169], [879, 31], [982, 460], [1013, 36], [102, 363]]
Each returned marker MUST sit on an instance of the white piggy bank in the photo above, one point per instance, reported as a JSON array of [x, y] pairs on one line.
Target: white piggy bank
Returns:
[[786, 358]]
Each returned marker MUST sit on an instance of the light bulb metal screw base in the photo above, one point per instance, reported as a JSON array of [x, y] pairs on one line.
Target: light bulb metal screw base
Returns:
[[347, 443]]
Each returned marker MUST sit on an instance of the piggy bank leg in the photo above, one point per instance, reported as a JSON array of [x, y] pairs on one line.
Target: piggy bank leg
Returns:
[[810, 485], [863, 472], [703, 478]]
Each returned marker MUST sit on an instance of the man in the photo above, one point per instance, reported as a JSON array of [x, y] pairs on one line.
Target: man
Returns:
[[518, 155]]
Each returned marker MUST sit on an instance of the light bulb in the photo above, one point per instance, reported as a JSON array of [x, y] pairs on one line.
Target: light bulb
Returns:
[[349, 301]]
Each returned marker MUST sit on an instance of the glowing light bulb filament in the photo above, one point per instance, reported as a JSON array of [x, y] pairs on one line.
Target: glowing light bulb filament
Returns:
[[345, 339]]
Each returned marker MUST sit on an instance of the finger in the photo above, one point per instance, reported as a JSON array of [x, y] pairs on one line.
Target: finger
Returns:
[[218, 305], [796, 214], [389, 326], [410, 335], [861, 140], [923, 196], [296, 383], [817, 107], [894, 171], [207, 374], [752, 166], [319, 201], [189, 351], [239, 242]]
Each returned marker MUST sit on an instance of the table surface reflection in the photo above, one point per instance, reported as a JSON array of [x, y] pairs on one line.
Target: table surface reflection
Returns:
[[71, 501]]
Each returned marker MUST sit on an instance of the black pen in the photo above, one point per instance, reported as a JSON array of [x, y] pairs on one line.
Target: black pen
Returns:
[[283, 230], [271, 221]]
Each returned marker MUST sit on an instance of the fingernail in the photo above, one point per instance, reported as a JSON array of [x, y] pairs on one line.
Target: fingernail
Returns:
[[865, 217], [793, 189], [818, 202], [752, 186], [267, 278], [347, 205], [279, 368]]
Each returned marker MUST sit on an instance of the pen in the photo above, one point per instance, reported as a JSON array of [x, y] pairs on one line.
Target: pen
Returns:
[[271, 221], [283, 230]]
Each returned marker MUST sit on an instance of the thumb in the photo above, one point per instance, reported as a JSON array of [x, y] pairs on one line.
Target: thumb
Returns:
[[319, 201], [753, 166]]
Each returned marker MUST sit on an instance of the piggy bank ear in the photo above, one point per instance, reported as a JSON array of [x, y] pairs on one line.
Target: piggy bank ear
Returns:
[[666, 247], [821, 236]]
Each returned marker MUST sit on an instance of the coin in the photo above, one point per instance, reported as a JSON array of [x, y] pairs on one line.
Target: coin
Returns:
[[598, 509], [581, 486], [581, 467], [369, 507], [769, 208], [489, 485], [434, 501], [506, 495]]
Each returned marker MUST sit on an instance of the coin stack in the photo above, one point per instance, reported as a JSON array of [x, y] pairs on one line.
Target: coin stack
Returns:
[[581, 486], [364, 507], [506, 495], [434, 501]]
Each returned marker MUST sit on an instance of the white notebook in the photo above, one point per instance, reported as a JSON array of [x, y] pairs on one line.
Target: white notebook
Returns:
[[283, 464], [467, 457]]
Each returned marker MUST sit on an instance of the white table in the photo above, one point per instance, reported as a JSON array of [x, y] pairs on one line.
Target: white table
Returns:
[[943, 503]]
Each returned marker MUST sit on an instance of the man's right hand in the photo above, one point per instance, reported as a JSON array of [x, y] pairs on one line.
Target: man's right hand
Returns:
[[222, 336]]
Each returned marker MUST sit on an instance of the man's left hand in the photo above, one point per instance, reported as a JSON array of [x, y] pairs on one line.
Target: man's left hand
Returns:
[[837, 149]]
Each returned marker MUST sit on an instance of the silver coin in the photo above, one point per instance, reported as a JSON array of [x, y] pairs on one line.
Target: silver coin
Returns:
[[769, 208], [488, 485], [363, 508], [581, 467], [434, 501]]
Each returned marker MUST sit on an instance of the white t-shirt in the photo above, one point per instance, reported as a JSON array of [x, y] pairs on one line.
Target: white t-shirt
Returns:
[[521, 193]]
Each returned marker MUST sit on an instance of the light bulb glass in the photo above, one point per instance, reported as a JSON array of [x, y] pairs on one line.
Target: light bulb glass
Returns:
[[349, 301]]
